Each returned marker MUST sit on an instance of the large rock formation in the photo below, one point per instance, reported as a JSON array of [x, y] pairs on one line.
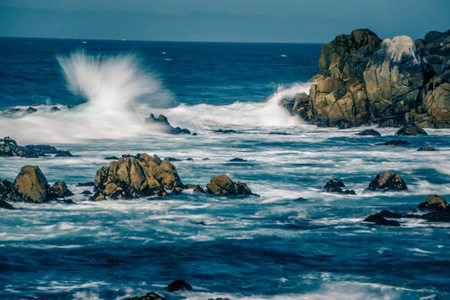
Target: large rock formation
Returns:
[[136, 176], [364, 80], [9, 147]]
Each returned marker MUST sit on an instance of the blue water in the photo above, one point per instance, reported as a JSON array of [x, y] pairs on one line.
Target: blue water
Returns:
[[292, 242]]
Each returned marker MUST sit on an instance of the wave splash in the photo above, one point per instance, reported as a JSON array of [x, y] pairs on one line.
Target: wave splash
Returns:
[[119, 95]]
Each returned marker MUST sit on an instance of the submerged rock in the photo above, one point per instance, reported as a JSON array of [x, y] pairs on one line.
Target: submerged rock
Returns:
[[411, 130], [138, 176], [371, 132], [387, 181], [237, 159], [179, 285], [335, 186], [395, 143], [426, 148], [380, 218], [43, 150], [223, 185], [225, 131], [165, 125], [148, 296]]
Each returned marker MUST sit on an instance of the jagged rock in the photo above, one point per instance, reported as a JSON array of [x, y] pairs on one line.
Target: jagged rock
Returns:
[[395, 143], [426, 148], [237, 159], [138, 176], [363, 80], [380, 218], [387, 181], [179, 285], [148, 296], [194, 188], [165, 125], [43, 150], [111, 158], [434, 202], [223, 185], [31, 185], [335, 186], [411, 130], [5, 205], [226, 131], [59, 190], [371, 132], [9, 147]]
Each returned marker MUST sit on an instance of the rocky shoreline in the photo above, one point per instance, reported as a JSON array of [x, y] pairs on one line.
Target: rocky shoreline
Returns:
[[363, 80]]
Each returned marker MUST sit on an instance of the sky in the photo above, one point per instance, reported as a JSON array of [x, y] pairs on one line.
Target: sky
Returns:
[[266, 21]]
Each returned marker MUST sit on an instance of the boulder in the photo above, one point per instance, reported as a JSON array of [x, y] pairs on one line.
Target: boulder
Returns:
[[164, 124], [435, 203], [371, 132], [136, 176], [237, 159], [223, 185], [59, 190], [380, 218], [179, 285], [9, 147], [388, 181], [195, 188], [148, 296], [335, 186], [5, 205], [411, 130], [31, 185]]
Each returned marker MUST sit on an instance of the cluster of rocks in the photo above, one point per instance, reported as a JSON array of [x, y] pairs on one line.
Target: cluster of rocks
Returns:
[[434, 209], [9, 147], [364, 80], [386, 181], [31, 186], [163, 122]]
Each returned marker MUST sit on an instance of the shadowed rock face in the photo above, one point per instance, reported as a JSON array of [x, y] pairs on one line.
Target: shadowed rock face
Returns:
[[139, 176], [223, 185], [364, 80], [387, 181]]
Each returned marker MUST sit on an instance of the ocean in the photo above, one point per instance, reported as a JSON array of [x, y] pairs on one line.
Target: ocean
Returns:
[[293, 241]]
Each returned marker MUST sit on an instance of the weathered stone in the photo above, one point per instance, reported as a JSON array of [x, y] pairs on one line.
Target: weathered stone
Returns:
[[139, 176], [223, 185], [335, 186], [59, 190], [9, 147], [387, 181], [179, 285], [426, 148], [31, 185], [411, 130], [194, 188], [434, 202]]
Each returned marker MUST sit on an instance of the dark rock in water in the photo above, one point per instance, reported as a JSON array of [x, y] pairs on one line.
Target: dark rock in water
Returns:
[[31, 185], [162, 121], [189, 159], [370, 132], [179, 285], [139, 176], [9, 147], [111, 158], [437, 216], [435, 203], [195, 188], [426, 148], [226, 131], [237, 159], [54, 109], [43, 150], [5, 205], [387, 181], [149, 296], [85, 183], [278, 133], [380, 218], [335, 186], [395, 143], [205, 158], [127, 155], [31, 110], [65, 201], [86, 192], [223, 185], [173, 159], [411, 130], [59, 190]]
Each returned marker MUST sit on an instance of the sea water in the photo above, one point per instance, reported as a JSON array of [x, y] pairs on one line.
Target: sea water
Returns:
[[293, 241]]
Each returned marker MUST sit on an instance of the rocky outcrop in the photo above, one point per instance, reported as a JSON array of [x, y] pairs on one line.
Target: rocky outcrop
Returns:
[[32, 186], [136, 176], [380, 218], [363, 80], [165, 126], [434, 202], [411, 130], [148, 296], [178, 285], [335, 186], [9, 147], [388, 181], [223, 185]]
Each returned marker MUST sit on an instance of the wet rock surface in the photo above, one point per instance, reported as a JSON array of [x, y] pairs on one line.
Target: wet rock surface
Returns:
[[369, 132], [387, 181], [148, 296], [179, 285], [223, 185], [9, 147], [335, 186]]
